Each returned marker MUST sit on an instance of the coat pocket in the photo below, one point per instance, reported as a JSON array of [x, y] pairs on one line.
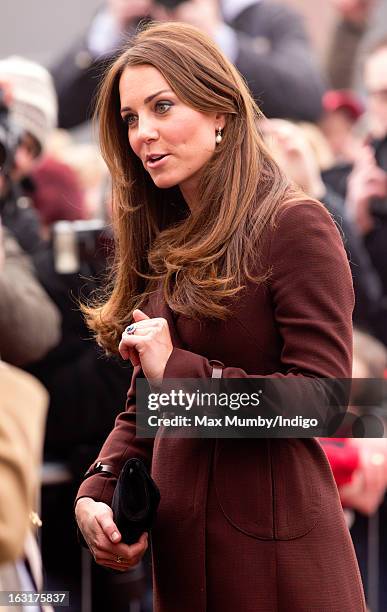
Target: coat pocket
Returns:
[[243, 485], [269, 489], [298, 475]]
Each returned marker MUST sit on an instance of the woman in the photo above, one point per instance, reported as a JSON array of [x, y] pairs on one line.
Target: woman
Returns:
[[219, 260]]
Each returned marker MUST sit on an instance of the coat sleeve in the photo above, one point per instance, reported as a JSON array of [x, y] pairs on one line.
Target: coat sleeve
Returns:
[[29, 320], [277, 61], [120, 445], [312, 297]]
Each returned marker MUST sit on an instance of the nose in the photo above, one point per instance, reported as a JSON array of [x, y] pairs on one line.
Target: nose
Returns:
[[147, 131]]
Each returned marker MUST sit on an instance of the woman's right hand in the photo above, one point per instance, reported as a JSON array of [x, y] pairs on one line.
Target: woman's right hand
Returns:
[[95, 520]]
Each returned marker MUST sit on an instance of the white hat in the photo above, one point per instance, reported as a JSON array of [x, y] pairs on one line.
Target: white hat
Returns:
[[33, 106]]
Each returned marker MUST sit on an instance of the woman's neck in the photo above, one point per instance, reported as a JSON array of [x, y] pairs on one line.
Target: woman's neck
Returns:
[[190, 194]]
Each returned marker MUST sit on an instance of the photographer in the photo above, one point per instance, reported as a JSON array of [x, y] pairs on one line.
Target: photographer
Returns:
[[363, 185], [29, 320], [293, 151], [28, 111], [367, 183], [266, 41]]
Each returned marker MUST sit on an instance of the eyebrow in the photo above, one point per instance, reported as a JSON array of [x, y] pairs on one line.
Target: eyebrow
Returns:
[[148, 99]]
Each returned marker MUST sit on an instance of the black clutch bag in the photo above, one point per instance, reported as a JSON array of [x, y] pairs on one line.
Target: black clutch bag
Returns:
[[135, 501]]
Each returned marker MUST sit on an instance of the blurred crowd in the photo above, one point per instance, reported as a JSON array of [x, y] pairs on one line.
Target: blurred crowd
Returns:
[[326, 126]]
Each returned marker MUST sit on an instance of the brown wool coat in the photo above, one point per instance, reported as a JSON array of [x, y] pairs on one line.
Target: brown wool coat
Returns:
[[254, 525]]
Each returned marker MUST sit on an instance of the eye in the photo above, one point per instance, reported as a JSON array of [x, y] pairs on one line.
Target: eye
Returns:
[[129, 120], [163, 106]]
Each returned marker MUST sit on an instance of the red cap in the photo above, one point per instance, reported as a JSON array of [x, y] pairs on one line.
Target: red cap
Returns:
[[343, 99], [58, 193]]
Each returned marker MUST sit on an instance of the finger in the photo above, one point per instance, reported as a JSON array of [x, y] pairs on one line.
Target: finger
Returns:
[[130, 344], [130, 353], [146, 323], [137, 340], [142, 327], [124, 562], [142, 543], [108, 526], [111, 552], [130, 552], [134, 358], [139, 315], [107, 562], [133, 551], [130, 341]]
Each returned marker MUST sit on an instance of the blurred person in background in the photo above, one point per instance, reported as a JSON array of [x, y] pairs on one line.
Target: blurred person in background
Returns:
[[364, 185], [86, 161], [359, 465], [266, 41], [28, 114], [353, 20], [342, 110], [290, 144], [375, 82], [29, 320], [360, 25], [57, 193], [23, 405], [369, 181]]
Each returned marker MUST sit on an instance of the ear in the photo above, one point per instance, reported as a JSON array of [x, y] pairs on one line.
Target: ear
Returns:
[[220, 120]]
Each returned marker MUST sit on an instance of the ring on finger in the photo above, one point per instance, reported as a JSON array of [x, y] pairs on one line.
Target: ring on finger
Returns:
[[120, 559], [130, 329]]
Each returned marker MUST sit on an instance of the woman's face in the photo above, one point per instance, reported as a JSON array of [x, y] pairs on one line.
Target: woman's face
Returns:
[[173, 140]]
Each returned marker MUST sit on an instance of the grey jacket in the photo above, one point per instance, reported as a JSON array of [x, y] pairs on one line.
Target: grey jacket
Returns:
[[30, 322]]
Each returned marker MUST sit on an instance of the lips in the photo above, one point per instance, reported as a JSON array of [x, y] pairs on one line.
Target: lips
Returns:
[[155, 159]]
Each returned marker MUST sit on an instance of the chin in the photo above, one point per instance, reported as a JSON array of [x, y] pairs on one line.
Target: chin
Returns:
[[163, 182]]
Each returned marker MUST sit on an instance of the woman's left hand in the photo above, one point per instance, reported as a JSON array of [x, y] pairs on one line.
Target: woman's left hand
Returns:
[[149, 346]]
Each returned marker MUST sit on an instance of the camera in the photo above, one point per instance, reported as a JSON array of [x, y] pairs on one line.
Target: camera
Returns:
[[82, 246], [9, 138]]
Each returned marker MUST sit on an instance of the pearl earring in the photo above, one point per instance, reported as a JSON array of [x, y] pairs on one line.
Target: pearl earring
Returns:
[[219, 136]]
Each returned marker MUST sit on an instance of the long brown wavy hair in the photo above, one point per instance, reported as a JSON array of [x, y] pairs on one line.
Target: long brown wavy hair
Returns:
[[202, 258]]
